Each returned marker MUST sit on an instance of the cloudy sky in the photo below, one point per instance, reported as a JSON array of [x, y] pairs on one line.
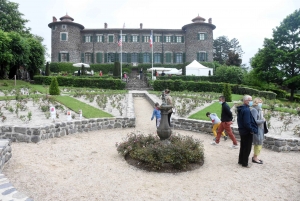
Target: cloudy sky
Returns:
[[248, 21]]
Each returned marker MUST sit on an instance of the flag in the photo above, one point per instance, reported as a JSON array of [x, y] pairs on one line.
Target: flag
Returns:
[[120, 41], [150, 40]]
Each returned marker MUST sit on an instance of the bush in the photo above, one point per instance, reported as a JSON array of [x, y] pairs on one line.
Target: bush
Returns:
[[53, 89], [152, 152], [47, 73], [227, 92]]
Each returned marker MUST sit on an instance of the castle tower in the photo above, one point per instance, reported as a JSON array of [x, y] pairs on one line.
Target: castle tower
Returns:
[[65, 40], [199, 40]]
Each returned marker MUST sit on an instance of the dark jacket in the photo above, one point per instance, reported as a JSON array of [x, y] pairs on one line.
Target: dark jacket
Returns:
[[245, 120], [226, 114]]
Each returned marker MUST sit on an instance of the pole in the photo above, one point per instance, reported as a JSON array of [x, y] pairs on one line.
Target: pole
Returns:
[[152, 52], [15, 80], [121, 50]]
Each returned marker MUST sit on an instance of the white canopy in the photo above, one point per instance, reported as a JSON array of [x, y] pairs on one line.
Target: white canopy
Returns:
[[195, 64], [197, 69], [80, 65]]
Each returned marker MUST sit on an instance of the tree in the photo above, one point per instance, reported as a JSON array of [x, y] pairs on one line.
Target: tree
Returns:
[[225, 49], [233, 59], [53, 89], [287, 40], [11, 19], [230, 74], [6, 56], [227, 92], [263, 63], [117, 70], [47, 72], [36, 57]]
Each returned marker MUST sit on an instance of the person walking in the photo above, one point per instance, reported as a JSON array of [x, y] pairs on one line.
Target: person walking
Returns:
[[247, 128], [168, 99], [216, 123], [141, 74], [226, 121], [156, 113], [258, 116]]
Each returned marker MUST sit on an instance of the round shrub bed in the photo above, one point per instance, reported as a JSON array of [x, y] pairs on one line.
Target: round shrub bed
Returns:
[[177, 154]]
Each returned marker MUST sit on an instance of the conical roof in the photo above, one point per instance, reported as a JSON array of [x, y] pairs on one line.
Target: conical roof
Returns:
[[198, 19], [66, 18]]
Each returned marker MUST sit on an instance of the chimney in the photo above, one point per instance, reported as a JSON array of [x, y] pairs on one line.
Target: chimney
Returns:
[[105, 25], [209, 20], [141, 25], [54, 19]]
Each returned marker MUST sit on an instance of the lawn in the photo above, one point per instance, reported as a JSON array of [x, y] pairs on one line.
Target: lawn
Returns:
[[213, 108]]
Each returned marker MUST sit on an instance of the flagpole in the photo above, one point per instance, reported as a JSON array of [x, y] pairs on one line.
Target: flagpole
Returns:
[[152, 52], [121, 50]]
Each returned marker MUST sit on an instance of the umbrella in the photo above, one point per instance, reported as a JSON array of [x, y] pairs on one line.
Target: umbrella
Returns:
[[80, 65]]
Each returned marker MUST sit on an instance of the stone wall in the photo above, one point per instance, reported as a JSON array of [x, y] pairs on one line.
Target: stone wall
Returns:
[[60, 129], [5, 152]]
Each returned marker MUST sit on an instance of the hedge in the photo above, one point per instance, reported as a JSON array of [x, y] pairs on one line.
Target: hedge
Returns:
[[179, 85], [82, 82]]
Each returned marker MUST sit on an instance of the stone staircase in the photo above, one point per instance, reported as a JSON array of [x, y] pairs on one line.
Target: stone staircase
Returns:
[[135, 83]]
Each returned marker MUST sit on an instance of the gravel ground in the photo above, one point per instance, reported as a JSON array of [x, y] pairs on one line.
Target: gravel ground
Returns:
[[87, 167]]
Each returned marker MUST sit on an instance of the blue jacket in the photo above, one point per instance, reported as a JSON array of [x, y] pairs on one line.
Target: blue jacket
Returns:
[[156, 114], [245, 120]]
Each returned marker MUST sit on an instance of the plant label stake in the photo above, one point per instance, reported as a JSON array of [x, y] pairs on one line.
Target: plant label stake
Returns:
[[69, 117], [53, 113], [80, 114]]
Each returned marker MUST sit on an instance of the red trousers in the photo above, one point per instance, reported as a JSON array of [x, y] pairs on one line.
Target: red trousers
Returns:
[[227, 127]]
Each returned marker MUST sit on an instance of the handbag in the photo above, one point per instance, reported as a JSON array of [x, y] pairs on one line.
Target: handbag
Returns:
[[265, 128]]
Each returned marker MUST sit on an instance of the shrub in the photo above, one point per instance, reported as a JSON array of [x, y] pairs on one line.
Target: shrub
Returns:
[[227, 92], [47, 73], [152, 152], [53, 89]]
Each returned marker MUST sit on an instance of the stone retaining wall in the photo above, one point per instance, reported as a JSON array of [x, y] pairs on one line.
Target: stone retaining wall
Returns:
[[5, 152]]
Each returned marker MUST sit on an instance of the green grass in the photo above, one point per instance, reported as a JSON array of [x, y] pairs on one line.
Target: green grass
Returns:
[[213, 108], [236, 97], [87, 110]]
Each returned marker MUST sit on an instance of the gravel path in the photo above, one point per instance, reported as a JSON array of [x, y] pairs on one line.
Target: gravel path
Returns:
[[87, 167]]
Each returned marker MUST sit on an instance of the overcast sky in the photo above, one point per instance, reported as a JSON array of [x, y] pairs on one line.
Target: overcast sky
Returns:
[[249, 21]]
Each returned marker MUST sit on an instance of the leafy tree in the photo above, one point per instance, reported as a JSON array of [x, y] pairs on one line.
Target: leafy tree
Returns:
[[225, 48], [11, 19], [263, 63], [287, 40], [53, 89], [20, 50], [6, 56], [227, 92], [233, 59], [36, 57], [230, 74]]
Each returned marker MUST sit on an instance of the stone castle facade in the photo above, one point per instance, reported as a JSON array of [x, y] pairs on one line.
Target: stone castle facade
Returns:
[[71, 42]]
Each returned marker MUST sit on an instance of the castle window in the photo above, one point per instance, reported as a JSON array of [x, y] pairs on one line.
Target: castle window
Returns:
[[179, 58], [99, 38], [88, 57], [146, 39], [157, 58], [168, 57], [167, 39], [63, 57], [146, 58], [110, 57], [124, 57], [63, 36], [54, 28], [63, 26], [202, 36], [202, 56], [134, 57], [157, 39], [134, 38], [178, 39], [87, 39], [110, 38]]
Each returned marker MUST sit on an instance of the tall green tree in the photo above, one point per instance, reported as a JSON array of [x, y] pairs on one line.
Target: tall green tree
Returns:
[[6, 56], [263, 63], [287, 40], [11, 19], [36, 58], [230, 74], [225, 49]]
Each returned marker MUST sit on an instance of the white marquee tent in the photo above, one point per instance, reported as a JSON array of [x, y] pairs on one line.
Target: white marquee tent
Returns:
[[197, 69]]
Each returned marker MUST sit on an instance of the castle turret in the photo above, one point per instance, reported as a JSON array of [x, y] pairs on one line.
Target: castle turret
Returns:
[[202, 48], [65, 39]]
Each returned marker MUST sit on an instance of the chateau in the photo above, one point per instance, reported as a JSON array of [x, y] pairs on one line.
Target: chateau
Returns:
[[71, 42]]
